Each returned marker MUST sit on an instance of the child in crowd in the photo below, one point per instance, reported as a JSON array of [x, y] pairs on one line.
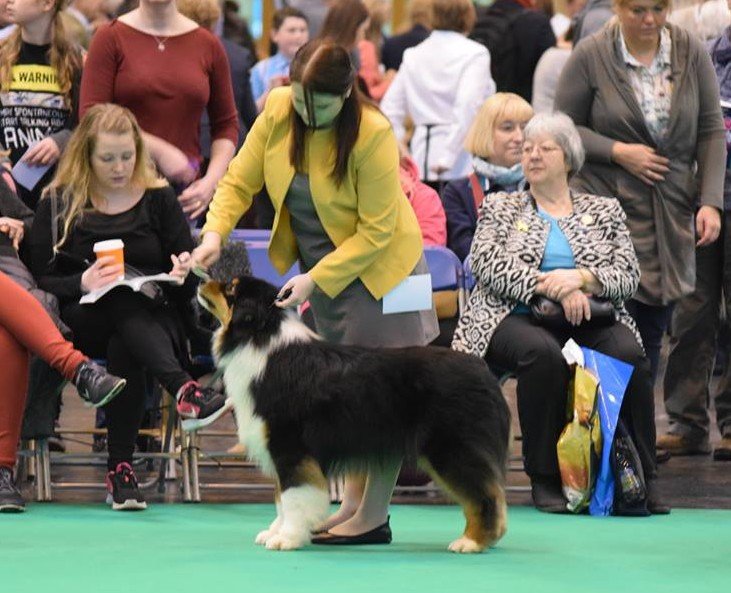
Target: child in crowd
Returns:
[[289, 32]]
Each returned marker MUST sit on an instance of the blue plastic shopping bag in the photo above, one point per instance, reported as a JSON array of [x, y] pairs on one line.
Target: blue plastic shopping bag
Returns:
[[614, 376]]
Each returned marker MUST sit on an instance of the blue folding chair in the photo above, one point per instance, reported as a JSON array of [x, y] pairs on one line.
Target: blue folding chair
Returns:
[[444, 267], [446, 274]]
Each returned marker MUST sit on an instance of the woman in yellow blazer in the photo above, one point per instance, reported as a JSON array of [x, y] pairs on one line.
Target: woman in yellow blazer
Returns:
[[330, 165]]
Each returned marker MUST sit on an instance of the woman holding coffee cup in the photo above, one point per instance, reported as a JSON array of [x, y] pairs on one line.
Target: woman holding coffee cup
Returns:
[[108, 195]]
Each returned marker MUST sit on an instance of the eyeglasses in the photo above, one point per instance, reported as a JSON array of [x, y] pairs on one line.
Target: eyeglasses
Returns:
[[543, 149]]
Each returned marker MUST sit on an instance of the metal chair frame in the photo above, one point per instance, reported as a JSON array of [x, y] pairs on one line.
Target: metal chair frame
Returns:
[[39, 458]]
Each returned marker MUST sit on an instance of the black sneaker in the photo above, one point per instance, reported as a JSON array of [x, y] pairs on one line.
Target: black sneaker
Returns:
[[123, 492], [11, 500], [200, 406], [95, 386]]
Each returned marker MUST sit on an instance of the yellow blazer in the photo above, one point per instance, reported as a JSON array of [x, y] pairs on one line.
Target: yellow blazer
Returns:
[[368, 218]]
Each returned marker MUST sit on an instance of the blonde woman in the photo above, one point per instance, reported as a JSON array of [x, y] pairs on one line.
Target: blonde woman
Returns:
[[494, 141], [37, 117], [106, 188]]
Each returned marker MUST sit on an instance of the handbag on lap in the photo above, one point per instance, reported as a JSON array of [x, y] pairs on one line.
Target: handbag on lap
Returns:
[[549, 313]]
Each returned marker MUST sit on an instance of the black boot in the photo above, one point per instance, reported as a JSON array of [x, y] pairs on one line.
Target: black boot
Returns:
[[11, 500], [95, 385], [547, 494]]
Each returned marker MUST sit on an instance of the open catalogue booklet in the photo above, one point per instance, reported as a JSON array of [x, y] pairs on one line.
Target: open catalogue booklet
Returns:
[[137, 284]]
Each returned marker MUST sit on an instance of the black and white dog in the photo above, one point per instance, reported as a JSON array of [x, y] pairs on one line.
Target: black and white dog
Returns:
[[306, 408]]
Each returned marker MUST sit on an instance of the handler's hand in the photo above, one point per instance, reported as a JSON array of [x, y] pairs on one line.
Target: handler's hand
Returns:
[[208, 252], [576, 307], [707, 225], [301, 287]]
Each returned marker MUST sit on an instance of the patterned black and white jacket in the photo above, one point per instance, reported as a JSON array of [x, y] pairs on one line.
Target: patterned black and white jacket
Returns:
[[508, 248]]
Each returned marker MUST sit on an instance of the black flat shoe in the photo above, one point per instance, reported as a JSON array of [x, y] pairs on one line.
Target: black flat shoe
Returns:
[[547, 495], [379, 535]]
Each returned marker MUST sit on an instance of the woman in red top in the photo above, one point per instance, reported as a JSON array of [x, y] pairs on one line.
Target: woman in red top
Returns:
[[166, 69]]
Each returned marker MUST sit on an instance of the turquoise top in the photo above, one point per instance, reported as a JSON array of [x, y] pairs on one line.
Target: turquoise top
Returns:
[[557, 255]]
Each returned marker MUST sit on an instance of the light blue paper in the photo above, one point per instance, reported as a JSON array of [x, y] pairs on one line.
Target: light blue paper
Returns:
[[413, 294], [28, 175], [614, 376]]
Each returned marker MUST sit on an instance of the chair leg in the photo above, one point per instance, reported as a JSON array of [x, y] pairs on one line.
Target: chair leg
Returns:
[[43, 469], [33, 465], [185, 463], [167, 464], [193, 449]]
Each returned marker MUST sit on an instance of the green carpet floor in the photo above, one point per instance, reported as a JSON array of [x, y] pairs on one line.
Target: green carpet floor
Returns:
[[60, 548]]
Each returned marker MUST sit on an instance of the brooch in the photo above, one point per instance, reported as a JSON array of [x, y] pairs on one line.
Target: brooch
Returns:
[[522, 226]]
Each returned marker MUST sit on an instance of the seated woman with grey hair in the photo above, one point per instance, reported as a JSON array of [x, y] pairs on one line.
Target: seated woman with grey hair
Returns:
[[573, 251]]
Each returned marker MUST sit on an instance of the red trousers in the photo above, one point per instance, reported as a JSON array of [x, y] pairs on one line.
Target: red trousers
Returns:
[[25, 328]]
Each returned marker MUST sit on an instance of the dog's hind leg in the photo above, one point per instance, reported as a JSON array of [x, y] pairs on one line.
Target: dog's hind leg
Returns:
[[263, 536], [303, 503], [479, 487]]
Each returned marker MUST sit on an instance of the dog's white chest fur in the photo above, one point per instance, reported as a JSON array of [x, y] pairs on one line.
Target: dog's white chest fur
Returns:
[[242, 367]]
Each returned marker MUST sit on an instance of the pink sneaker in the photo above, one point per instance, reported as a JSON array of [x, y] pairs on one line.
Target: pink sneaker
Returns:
[[200, 406]]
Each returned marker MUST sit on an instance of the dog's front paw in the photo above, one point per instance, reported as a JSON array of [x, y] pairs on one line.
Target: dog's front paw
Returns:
[[263, 536], [465, 545], [283, 542]]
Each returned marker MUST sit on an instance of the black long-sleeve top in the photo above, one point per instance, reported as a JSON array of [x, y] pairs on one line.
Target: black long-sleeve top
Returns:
[[152, 230]]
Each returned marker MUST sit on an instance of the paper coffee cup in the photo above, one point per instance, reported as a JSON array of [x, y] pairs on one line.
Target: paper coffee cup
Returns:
[[112, 248]]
